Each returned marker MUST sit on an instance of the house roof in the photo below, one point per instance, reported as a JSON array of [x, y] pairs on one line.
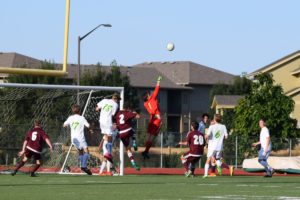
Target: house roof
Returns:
[[18, 60], [146, 77], [176, 75], [277, 63], [293, 91], [226, 100], [188, 73]]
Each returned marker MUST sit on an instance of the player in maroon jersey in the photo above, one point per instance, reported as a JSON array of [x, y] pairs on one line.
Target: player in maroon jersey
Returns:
[[124, 125], [32, 147], [196, 142]]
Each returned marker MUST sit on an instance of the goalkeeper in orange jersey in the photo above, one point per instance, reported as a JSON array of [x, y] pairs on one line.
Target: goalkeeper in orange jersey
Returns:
[[152, 106]]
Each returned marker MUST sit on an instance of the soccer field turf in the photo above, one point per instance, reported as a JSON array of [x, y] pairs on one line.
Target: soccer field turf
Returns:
[[149, 187]]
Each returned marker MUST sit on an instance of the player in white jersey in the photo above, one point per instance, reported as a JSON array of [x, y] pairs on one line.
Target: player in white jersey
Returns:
[[76, 122], [265, 148], [107, 108], [215, 137]]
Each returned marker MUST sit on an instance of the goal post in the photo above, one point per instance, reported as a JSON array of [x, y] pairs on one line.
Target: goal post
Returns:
[[52, 105]]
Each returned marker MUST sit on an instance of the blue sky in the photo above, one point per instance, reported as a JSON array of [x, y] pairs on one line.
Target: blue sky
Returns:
[[234, 36]]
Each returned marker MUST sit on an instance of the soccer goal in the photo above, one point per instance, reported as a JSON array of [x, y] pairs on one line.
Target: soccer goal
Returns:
[[22, 103]]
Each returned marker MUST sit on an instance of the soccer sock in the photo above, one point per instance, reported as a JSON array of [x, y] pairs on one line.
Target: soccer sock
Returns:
[[19, 165], [85, 157], [104, 147], [219, 163], [80, 159], [186, 166], [148, 145], [109, 147], [213, 168], [108, 166], [103, 164], [206, 167], [192, 168], [130, 156], [36, 166]]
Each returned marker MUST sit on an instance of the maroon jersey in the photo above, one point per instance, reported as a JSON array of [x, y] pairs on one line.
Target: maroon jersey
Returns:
[[35, 139], [124, 120], [196, 142]]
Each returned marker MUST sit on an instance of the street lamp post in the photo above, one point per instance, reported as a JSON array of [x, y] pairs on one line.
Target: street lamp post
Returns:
[[78, 68]]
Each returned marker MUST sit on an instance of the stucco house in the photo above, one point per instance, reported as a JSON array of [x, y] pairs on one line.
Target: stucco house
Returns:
[[286, 72]]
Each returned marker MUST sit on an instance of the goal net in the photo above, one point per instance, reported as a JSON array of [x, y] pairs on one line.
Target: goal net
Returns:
[[21, 104]]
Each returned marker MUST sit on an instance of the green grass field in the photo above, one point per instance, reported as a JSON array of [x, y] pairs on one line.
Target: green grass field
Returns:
[[56, 187]]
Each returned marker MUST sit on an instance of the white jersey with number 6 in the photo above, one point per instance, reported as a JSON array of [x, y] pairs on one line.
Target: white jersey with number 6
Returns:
[[216, 134], [77, 123], [108, 109]]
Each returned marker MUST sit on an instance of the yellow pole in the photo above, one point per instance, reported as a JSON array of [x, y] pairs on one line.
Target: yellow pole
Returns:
[[66, 38], [42, 72]]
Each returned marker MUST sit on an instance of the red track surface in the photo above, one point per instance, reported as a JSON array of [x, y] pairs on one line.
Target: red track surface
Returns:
[[149, 171]]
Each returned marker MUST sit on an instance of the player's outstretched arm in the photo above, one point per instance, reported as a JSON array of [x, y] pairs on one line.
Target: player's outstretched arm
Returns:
[[156, 90], [255, 144], [182, 143]]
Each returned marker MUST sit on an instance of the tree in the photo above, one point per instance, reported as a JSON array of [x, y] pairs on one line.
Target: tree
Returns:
[[268, 101], [240, 86], [38, 79], [112, 77]]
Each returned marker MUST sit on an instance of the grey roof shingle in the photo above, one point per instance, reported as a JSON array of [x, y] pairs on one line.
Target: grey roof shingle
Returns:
[[146, 77], [18, 60], [189, 73]]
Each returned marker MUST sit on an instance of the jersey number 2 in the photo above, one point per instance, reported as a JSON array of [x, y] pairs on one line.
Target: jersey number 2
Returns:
[[121, 119], [198, 140]]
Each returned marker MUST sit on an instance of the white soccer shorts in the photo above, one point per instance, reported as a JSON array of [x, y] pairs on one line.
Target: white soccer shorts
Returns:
[[106, 129], [79, 144], [214, 153]]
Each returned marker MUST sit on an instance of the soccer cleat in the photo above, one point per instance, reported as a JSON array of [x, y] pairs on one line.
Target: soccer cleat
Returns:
[[272, 171], [135, 166], [204, 176], [189, 174], [102, 174], [14, 173], [86, 170], [145, 155], [268, 176], [32, 174], [212, 175], [231, 170], [109, 174], [219, 169], [114, 171]]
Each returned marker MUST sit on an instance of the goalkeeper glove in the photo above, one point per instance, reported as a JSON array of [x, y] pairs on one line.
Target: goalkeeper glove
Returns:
[[159, 79]]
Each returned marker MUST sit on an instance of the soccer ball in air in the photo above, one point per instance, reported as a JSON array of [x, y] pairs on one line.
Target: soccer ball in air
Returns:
[[170, 46]]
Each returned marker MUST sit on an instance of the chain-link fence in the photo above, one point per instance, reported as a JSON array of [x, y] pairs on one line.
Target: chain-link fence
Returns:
[[165, 152]]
